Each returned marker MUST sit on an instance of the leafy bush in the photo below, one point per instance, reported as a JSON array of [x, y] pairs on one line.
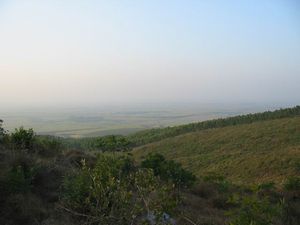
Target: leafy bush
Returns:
[[19, 173], [2, 132], [1, 128], [292, 184], [115, 192], [222, 184], [112, 143], [23, 209], [266, 186], [23, 139], [169, 170], [48, 146], [106, 143], [254, 211]]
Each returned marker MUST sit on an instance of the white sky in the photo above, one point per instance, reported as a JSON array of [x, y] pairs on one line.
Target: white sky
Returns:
[[87, 52]]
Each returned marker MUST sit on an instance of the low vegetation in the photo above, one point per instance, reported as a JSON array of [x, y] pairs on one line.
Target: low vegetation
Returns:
[[110, 143], [233, 175], [260, 152]]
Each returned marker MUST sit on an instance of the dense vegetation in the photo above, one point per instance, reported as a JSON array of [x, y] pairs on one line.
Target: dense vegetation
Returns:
[[245, 175], [152, 135], [41, 182], [106, 143]]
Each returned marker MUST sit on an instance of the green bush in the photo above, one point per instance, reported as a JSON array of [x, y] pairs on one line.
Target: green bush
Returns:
[[292, 184], [47, 146], [2, 132], [252, 210], [115, 192], [266, 186], [19, 174], [112, 143], [169, 170], [222, 184], [23, 139]]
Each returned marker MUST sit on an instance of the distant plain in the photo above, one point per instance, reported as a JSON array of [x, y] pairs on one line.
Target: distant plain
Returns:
[[117, 119]]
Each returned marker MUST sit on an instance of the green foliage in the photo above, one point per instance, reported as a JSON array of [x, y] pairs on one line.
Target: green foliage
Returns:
[[266, 186], [1, 128], [23, 139], [168, 170], [152, 135], [106, 143], [112, 143], [115, 192], [292, 184], [222, 184], [2, 132], [47, 145], [19, 173], [252, 210], [19, 179]]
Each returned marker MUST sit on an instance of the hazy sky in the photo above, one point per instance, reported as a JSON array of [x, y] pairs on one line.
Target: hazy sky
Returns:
[[84, 51]]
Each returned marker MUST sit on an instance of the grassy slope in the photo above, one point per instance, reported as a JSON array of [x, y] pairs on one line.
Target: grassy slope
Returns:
[[258, 152], [152, 135]]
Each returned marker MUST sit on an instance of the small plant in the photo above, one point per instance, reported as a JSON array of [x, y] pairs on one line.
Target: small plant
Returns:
[[266, 186], [222, 184], [292, 184]]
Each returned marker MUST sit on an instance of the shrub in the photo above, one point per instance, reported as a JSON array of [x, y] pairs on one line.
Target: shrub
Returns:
[[19, 174], [23, 209], [222, 184], [47, 146], [23, 139], [266, 186], [254, 211], [292, 184], [169, 170], [204, 189], [2, 132], [115, 192], [112, 143]]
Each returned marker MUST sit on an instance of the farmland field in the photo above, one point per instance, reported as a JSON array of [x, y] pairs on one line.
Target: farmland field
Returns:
[[100, 121]]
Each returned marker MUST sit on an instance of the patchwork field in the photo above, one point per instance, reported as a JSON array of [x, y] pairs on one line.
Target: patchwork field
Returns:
[[101, 121]]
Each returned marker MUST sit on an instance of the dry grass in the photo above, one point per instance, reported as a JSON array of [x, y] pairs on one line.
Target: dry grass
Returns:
[[251, 153]]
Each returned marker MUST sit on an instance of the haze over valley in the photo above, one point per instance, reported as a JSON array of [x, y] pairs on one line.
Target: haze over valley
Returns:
[[92, 121]]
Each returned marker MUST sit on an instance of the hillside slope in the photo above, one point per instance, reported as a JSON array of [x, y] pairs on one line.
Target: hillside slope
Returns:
[[253, 153], [153, 135]]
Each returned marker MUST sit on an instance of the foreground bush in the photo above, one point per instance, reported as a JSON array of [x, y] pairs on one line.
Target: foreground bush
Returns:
[[253, 210], [292, 184], [116, 192]]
